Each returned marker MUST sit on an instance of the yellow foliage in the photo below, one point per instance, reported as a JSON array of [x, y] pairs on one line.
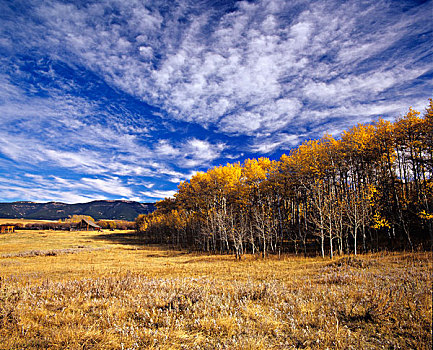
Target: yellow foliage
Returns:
[[380, 222], [425, 216]]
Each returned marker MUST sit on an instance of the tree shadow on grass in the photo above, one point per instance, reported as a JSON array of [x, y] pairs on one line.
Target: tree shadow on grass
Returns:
[[132, 241], [124, 238]]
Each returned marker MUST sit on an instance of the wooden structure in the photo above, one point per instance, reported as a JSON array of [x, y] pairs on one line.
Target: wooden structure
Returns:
[[7, 228], [87, 225]]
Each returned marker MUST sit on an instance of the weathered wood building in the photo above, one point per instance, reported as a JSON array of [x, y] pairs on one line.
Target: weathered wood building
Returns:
[[87, 225]]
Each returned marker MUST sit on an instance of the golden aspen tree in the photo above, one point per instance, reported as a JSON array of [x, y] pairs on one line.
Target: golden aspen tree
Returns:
[[376, 180]]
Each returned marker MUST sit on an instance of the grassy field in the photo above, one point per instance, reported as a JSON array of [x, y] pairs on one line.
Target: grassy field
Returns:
[[106, 290], [23, 221]]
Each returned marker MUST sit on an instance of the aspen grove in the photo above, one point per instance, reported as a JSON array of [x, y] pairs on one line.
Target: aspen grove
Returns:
[[371, 189]]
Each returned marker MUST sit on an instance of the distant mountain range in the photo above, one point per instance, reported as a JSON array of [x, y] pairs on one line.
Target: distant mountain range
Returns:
[[103, 209]]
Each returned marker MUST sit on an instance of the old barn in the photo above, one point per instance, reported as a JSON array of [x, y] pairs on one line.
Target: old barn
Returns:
[[87, 225]]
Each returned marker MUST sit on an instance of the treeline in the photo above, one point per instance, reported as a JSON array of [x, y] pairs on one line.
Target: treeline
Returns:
[[116, 224], [71, 224], [371, 189]]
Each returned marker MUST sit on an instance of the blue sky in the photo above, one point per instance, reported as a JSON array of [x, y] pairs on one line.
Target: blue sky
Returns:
[[123, 99]]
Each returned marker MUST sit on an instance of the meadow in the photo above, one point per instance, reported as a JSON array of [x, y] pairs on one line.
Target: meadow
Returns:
[[107, 290], [23, 222]]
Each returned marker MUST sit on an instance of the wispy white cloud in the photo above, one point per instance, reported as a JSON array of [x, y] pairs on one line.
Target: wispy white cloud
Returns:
[[281, 141], [37, 187], [165, 149], [111, 185], [367, 85], [189, 153], [40, 189], [200, 152], [158, 194]]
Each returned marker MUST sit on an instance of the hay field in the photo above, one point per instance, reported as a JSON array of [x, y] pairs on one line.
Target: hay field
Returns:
[[106, 290]]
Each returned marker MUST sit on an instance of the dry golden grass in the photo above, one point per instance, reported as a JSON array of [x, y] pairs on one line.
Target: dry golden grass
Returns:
[[23, 221], [108, 291]]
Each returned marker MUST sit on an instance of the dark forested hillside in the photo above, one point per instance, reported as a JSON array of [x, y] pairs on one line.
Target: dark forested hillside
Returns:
[[119, 210], [371, 189]]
